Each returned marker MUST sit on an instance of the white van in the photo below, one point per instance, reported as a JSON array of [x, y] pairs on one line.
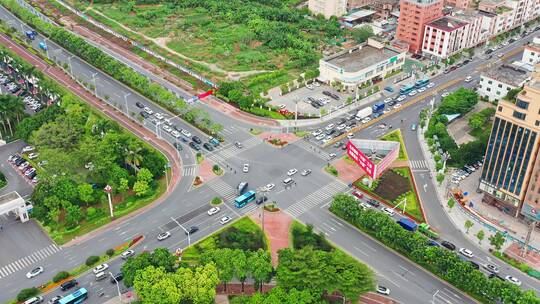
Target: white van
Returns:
[[100, 276], [34, 300]]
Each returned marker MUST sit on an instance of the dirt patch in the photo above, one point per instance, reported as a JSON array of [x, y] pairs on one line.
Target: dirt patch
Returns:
[[392, 185]]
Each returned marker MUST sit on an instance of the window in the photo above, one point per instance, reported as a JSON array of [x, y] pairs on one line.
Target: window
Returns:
[[490, 82], [519, 115], [522, 104], [537, 123], [500, 85], [498, 93], [488, 89]]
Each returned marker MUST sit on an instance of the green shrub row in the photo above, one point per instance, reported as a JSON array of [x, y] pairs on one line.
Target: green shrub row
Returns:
[[441, 262]]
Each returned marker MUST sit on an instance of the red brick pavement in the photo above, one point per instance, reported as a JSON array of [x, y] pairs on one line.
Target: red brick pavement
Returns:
[[276, 227], [212, 101], [60, 76]]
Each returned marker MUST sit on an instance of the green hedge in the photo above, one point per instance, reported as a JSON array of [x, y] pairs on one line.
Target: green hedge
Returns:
[[116, 69], [91, 260], [62, 275], [27, 293], [441, 262], [3, 181]]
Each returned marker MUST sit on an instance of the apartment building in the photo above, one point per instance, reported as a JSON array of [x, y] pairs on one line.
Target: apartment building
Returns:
[[462, 4], [496, 83], [443, 37], [503, 15], [531, 53], [510, 171], [414, 15], [328, 8]]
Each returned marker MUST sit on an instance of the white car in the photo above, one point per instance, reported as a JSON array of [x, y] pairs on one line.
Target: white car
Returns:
[[245, 169], [128, 253], [401, 98], [186, 133], [445, 94], [282, 106], [167, 128], [383, 290], [34, 272], [148, 110], [331, 156], [341, 127], [316, 132], [397, 106], [468, 79], [213, 211], [329, 127], [224, 220], [159, 116], [348, 128], [412, 93], [292, 172], [364, 206], [350, 136], [500, 55], [309, 86], [466, 252], [176, 134], [270, 187], [320, 137], [366, 120], [513, 280], [387, 100], [388, 211], [163, 236], [491, 268], [422, 89], [430, 85], [27, 149], [100, 268], [33, 155], [316, 84]]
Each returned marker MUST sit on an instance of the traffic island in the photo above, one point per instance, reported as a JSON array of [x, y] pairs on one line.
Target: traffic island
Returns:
[[278, 140]]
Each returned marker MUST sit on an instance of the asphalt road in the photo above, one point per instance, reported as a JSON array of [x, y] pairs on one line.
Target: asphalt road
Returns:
[[267, 165]]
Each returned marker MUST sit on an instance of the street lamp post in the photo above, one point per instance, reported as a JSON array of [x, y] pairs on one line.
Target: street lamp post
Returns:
[[125, 100], [117, 287], [188, 234], [70, 66], [95, 84], [108, 189]]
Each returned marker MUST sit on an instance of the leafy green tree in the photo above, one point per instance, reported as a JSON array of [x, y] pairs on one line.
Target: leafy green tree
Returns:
[[141, 188], [451, 203], [480, 235], [86, 193], [206, 280], [240, 266], [260, 267], [123, 185], [155, 285], [144, 175], [161, 257], [363, 33], [131, 266], [27, 293], [497, 240], [222, 259], [468, 225], [74, 215]]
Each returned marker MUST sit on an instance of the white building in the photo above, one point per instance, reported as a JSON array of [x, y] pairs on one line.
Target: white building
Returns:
[[531, 53], [444, 37], [328, 8], [369, 61], [495, 83]]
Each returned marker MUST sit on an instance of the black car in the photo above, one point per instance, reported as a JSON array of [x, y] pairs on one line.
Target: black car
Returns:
[[194, 146], [192, 230], [373, 203], [178, 146], [139, 105], [511, 40], [118, 278], [32, 175], [19, 161], [342, 120], [261, 200], [311, 99], [144, 114], [466, 61], [336, 97], [448, 245], [196, 139], [208, 147], [330, 132], [69, 284], [392, 103], [327, 93], [488, 51]]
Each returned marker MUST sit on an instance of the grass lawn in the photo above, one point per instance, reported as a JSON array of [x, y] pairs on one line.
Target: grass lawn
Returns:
[[61, 235], [255, 132], [199, 157], [191, 254], [301, 133], [396, 136], [331, 170]]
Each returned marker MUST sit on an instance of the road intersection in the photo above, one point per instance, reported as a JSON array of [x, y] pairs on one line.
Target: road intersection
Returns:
[[306, 201]]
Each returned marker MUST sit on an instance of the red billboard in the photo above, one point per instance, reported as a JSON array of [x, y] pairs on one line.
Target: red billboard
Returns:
[[361, 159]]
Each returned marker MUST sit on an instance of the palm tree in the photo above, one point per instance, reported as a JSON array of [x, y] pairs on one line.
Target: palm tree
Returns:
[[14, 105], [133, 157]]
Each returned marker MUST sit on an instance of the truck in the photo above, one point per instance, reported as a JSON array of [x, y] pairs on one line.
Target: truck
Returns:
[[365, 112], [378, 107], [426, 230], [31, 34], [407, 224]]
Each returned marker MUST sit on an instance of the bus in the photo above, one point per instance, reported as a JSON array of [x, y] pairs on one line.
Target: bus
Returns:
[[245, 198], [421, 83], [77, 297], [406, 89]]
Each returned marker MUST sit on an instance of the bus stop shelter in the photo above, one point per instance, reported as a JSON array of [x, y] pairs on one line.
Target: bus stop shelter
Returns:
[[13, 202]]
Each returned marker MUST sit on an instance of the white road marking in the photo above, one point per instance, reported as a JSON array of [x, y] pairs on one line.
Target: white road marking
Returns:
[[359, 250], [400, 276], [373, 249]]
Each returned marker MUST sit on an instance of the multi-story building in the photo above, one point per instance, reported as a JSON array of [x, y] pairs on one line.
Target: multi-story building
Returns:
[[384, 8], [504, 15], [413, 16], [443, 37], [511, 161], [352, 4], [328, 8], [369, 61], [495, 83], [531, 53], [463, 4]]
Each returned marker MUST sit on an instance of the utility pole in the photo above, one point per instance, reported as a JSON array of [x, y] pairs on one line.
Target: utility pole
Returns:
[[108, 189], [125, 100], [117, 287]]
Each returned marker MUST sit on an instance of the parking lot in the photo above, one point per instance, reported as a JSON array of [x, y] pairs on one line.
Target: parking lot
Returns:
[[16, 181], [305, 96]]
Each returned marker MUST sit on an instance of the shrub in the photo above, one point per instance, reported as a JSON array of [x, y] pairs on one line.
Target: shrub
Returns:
[[109, 252], [91, 260], [216, 201], [62, 275], [27, 293]]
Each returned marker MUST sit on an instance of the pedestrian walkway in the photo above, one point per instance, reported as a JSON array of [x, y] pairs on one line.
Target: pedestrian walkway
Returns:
[[304, 144], [29, 260], [316, 198], [231, 130], [418, 164], [189, 170], [276, 227], [223, 190], [222, 155]]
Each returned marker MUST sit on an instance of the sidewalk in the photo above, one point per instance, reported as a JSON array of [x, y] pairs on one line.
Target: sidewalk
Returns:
[[460, 214], [146, 135]]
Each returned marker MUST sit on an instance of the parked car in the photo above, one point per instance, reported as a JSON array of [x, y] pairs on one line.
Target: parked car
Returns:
[[196, 139], [383, 290], [292, 172], [208, 147], [139, 105], [100, 268], [213, 210], [34, 300], [491, 268], [194, 146], [448, 245], [513, 280], [117, 278], [388, 211], [466, 252], [270, 187], [261, 199], [224, 220]]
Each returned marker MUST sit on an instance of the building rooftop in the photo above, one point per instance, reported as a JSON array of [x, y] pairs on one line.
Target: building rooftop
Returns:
[[447, 23], [509, 74], [361, 57], [9, 197], [423, 1], [358, 15]]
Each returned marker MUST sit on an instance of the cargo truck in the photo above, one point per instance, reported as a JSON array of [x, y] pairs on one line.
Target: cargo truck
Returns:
[[407, 224], [378, 107], [365, 112]]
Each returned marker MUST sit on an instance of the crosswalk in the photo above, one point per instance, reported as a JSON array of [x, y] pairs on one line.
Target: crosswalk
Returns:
[[312, 149], [418, 164], [221, 156], [189, 170], [224, 190], [316, 198], [29, 260], [231, 130]]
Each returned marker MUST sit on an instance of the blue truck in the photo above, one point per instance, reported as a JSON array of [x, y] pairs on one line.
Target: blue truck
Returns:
[[378, 107], [31, 35], [407, 224]]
